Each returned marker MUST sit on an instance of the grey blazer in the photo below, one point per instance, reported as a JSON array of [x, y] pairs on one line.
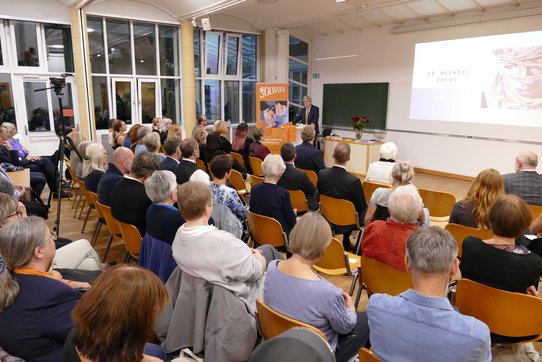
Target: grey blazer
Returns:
[[525, 184]]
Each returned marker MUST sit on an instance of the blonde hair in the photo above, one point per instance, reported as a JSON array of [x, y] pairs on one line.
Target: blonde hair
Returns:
[[197, 134], [220, 127], [483, 191], [94, 159], [310, 236], [402, 173], [172, 131]]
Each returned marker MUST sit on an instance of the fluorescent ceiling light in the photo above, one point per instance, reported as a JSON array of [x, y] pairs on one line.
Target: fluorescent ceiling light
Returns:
[[340, 1], [56, 46], [337, 57]]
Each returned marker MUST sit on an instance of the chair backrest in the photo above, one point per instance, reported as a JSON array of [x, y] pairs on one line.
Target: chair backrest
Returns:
[[110, 221], [333, 257], [312, 175], [132, 238], [338, 211], [439, 203], [273, 323], [366, 355], [239, 158], [236, 180], [256, 179], [460, 232], [537, 210], [505, 313], [265, 230], [71, 171], [379, 277], [94, 198], [256, 165], [201, 165], [83, 189], [299, 202], [370, 187]]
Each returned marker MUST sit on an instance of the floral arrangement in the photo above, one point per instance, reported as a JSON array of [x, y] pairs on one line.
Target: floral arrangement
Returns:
[[359, 122]]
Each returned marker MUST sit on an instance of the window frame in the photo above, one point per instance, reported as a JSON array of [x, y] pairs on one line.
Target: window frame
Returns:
[[307, 63]]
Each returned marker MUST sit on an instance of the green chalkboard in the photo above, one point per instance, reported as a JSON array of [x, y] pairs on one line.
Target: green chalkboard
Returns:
[[344, 101]]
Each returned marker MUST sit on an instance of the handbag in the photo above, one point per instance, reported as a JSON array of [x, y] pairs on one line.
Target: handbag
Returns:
[[187, 355]]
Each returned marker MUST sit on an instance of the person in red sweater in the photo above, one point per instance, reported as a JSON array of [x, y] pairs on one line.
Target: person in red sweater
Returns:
[[386, 240], [257, 149]]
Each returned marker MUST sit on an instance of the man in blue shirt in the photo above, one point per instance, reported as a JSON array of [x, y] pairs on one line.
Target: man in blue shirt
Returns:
[[421, 324]]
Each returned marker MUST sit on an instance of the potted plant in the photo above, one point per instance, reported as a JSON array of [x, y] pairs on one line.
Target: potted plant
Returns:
[[358, 123]]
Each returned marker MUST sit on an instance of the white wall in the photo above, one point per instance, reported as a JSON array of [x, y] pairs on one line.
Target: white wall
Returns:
[[131, 9], [384, 57], [48, 11]]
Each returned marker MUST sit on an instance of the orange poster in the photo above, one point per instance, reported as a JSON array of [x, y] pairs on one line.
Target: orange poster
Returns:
[[272, 113]]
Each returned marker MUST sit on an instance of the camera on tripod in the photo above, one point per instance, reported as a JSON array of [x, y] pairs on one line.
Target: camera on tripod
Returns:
[[59, 83]]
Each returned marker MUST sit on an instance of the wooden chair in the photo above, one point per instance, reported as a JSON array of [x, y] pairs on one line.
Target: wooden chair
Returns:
[[378, 277], [78, 194], [132, 240], [370, 187], [236, 180], [202, 166], [266, 230], [273, 323], [88, 202], [537, 210], [239, 158], [460, 232], [341, 212], [256, 165], [256, 179], [312, 175], [505, 313], [112, 225], [439, 203], [336, 261], [101, 218], [365, 355], [299, 202]]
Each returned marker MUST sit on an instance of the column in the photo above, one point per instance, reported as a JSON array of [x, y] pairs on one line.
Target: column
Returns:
[[188, 77]]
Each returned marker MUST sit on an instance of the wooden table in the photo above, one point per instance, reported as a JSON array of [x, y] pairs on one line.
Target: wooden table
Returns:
[[362, 153], [20, 178]]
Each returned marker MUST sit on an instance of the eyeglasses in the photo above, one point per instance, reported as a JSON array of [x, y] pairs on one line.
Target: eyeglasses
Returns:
[[52, 237], [17, 214]]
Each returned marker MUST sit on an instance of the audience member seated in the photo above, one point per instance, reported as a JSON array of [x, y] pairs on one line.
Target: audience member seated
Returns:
[[271, 200], [82, 149], [216, 256], [402, 174], [213, 148], [421, 324], [293, 179], [386, 240], [124, 302], [163, 221], [473, 210], [77, 137], [152, 143], [222, 128], [119, 129], [187, 170], [41, 169], [175, 130], [200, 135], [338, 183], [129, 201], [256, 149], [139, 146], [165, 125], [35, 305], [202, 121], [293, 288], [32, 207], [241, 143], [15, 144], [498, 262], [121, 163], [132, 136], [173, 154], [77, 254], [308, 156], [221, 168], [380, 171], [94, 166], [525, 182]]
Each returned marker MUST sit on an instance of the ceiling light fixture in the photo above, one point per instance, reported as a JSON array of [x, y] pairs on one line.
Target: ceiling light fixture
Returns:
[[337, 57]]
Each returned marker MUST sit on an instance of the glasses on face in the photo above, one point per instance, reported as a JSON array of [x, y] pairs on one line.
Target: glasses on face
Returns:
[[18, 214], [52, 237]]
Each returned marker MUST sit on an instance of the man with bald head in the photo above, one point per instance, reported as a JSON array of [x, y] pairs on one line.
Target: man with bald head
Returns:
[[525, 182], [121, 163], [338, 183]]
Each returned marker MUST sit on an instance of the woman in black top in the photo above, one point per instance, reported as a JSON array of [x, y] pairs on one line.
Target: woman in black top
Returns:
[[213, 148]]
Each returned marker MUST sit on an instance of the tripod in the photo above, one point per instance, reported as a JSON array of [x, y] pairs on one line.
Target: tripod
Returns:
[[58, 85]]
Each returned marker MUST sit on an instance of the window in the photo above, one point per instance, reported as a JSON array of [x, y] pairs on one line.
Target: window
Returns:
[[171, 99], [212, 42], [249, 101], [212, 99], [249, 56], [145, 49], [231, 101], [58, 42], [37, 107], [232, 56], [118, 46], [26, 40], [96, 45], [101, 102], [298, 71], [7, 112], [197, 52], [169, 50]]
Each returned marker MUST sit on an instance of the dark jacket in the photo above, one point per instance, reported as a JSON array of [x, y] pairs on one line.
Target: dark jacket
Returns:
[[314, 116], [93, 179], [273, 201], [169, 164], [107, 183], [184, 170], [293, 179], [129, 203], [309, 158]]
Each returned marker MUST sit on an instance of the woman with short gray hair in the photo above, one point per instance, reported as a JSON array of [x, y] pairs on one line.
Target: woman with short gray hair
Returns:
[[271, 200]]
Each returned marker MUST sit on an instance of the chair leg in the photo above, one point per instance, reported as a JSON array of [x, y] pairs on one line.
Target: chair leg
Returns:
[[360, 289], [127, 257], [86, 220], [357, 248], [354, 280], [107, 248], [82, 209], [96, 233], [78, 198]]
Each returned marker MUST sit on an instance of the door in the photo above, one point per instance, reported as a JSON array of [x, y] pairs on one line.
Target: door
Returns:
[[123, 102], [148, 100]]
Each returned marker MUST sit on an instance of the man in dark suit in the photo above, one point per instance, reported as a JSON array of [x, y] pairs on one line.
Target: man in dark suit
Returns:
[[308, 157], [293, 179], [338, 183], [525, 182], [309, 115], [173, 153], [129, 201], [121, 163], [187, 170]]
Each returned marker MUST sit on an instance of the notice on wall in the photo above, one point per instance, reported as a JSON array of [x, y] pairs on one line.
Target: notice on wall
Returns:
[[272, 113]]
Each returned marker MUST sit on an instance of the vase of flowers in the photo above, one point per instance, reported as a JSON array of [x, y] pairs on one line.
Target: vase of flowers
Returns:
[[358, 123]]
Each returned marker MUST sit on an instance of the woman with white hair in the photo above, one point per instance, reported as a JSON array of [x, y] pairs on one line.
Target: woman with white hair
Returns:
[[78, 166], [163, 220], [14, 142], [380, 171], [152, 142], [271, 200], [94, 166]]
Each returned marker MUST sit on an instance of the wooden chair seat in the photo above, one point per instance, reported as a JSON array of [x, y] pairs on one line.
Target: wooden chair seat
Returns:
[[112, 225], [256, 179], [273, 323], [256, 165], [239, 158], [266, 230], [505, 313], [460, 232], [132, 240], [299, 202], [341, 213], [439, 203], [366, 355], [236, 180], [536, 210], [202, 166], [370, 187]]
